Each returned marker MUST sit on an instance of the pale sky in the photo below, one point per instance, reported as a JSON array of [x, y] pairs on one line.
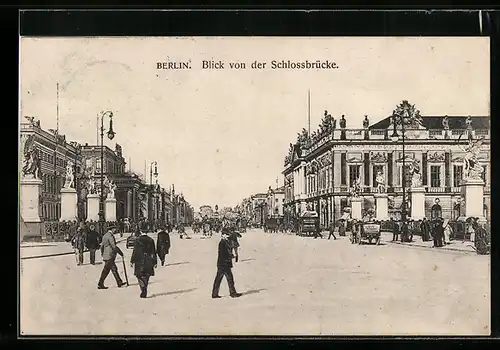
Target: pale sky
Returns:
[[222, 135]]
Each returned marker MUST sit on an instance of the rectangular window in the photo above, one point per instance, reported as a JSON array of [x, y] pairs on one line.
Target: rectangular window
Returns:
[[435, 176], [376, 170], [484, 174], [88, 163], [458, 171], [353, 174], [98, 164]]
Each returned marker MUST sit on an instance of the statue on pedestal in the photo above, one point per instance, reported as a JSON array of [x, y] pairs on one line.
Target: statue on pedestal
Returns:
[[356, 189], [416, 180], [91, 183], [69, 177], [111, 188], [380, 179], [473, 170], [31, 162]]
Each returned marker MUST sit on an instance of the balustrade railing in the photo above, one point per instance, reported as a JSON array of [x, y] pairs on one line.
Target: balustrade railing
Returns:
[[58, 231]]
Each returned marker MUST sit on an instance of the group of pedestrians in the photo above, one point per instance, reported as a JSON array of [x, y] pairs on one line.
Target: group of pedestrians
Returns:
[[85, 238]]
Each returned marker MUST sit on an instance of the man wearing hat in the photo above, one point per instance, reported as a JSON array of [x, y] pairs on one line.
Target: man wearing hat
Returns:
[[109, 249], [224, 266], [144, 259]]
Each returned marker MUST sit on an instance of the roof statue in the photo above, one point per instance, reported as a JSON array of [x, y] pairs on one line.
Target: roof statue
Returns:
[[409, 114], [446, 123], [366, 122]]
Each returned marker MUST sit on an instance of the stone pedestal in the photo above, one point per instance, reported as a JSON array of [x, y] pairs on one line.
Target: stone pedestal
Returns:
[[69, 204], [110, 205], [381, 205], [473, 191], [93, 207], [29, 205], [417, 203], [356, 208]]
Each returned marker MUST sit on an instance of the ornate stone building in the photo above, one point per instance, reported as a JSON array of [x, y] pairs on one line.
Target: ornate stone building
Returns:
[[54, 152], [322, 169]]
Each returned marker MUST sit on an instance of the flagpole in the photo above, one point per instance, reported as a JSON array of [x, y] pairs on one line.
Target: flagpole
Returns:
[[57, 109], [309, 111]]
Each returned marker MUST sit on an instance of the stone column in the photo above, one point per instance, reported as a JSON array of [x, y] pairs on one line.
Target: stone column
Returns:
[[29, 202], [382, 208], [93, 207], [356, 208], [130, 205], [473, 191], [417, 203], [110, 205], [69, 204]]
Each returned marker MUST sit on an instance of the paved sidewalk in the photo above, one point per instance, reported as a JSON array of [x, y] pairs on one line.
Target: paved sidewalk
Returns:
[[34, 250], [459, 246]]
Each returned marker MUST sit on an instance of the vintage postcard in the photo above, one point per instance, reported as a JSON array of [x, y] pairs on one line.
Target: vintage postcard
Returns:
[[195, 186]]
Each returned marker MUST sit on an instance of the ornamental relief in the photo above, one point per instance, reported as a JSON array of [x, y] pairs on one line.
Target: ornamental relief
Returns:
[[378, 157], [355, 157], [435, 157]]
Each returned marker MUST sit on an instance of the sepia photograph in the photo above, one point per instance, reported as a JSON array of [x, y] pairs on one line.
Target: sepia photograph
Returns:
[[254, 186]]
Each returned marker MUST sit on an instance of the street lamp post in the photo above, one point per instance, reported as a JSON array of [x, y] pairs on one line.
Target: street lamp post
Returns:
[[396, 118], [111, 135]]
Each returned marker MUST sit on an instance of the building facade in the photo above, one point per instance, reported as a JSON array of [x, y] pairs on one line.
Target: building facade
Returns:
[[322, 169], [54, 152], [259, 209], [135, 199], [275, 201]]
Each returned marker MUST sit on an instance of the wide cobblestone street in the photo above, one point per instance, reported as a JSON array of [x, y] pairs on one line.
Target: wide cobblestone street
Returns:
[[291, 286]]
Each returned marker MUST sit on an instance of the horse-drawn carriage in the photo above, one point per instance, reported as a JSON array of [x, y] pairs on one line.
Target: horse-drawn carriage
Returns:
[[271, 225], [365, 232], [308, 224]]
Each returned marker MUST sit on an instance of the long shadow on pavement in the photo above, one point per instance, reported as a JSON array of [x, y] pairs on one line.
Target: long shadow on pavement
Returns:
[[249, 259], [96, 263], [174, 292], [253, 291], [178, 263]]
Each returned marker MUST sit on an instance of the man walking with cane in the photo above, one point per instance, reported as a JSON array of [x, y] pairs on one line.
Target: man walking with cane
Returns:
[[109, 249]]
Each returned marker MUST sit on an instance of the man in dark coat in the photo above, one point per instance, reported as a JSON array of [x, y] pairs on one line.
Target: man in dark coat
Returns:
[[92, 243], [438, 233], [162, 245], [425, 228], [224, 266], [341, 227], [395, 230], [109, 249], [144, 259], [332, 230]]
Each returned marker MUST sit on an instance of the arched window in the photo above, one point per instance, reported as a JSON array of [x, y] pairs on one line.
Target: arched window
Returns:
[[485, 211], [436, 211]]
